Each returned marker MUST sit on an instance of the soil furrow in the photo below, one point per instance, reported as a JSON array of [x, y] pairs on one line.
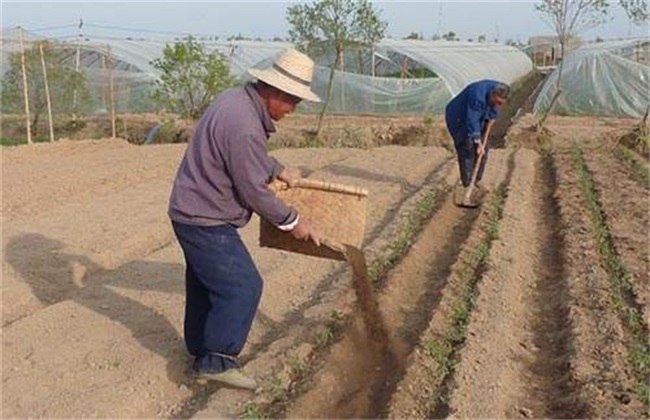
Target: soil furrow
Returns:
[[421, 389], [354, 380], [518, 346], [444, 251], [625, 204], [599, 365]]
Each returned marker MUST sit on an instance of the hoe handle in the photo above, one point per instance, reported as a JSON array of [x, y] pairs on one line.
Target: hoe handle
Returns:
[[477, 164]]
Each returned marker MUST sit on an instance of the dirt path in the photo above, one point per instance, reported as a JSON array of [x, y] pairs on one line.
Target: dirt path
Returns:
[[92, 271], [92, 290]]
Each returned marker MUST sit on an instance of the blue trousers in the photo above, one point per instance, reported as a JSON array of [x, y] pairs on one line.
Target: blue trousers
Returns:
[[223, 290], [467, 156]]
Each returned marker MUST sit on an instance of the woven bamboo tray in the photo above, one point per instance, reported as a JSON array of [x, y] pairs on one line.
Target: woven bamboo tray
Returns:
[[337, 212]]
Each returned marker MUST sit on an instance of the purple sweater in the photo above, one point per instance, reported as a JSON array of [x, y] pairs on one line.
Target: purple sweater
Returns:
[[224, 174]]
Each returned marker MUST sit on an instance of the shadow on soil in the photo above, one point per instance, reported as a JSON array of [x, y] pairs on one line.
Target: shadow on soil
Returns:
[[55, 276]]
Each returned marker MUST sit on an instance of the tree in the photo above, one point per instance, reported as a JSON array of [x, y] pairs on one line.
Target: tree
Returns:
[[450, 36], [636, 10], [414, 35], [315, 26], [482, 38], [568, 18], [371, 30], [190, 78], [63, 80]]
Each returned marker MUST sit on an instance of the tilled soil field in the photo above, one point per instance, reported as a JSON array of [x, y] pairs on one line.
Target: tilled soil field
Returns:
[[530, 306]]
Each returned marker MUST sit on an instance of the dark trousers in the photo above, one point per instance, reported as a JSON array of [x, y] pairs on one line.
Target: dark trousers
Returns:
[[467, 156], [223, 289]]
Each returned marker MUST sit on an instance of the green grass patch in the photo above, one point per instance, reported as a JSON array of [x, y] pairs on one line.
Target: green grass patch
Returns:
[[251, 411], [622, 291], [17, 141]]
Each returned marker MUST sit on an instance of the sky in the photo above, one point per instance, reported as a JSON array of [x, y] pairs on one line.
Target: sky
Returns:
[[502, 20]]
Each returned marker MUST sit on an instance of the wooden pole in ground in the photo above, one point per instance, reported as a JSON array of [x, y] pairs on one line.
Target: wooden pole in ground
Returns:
[[103, 79], [77, 65], [126, 108], [47, 93], [25, 90], [112, 93]]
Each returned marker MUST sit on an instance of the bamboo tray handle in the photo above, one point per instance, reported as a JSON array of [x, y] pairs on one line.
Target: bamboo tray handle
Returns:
[[330, 186]]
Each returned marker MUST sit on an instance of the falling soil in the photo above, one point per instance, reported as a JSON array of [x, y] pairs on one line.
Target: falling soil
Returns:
[[365, 297]]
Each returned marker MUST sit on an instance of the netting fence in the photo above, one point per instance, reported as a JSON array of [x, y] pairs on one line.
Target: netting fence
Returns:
[[117, 78]]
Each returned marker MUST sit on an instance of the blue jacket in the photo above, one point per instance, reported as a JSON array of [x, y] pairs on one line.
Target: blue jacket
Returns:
[[467, 113]]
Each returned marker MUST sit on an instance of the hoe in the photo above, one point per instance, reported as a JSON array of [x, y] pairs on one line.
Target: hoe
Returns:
[[467, 200]]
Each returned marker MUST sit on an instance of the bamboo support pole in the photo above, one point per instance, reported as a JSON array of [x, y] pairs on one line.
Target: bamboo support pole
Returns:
[[47, 93], [76, 68], [112, 93], [25, 89], [126, 109]]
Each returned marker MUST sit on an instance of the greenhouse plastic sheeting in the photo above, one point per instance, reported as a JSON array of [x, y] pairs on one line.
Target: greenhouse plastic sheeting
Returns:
[[366, 95], [461, 63], [453, 65], [602, 79], [362, 94]]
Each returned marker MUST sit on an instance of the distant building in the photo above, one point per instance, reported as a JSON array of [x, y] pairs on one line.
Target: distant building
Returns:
[[545, 50]]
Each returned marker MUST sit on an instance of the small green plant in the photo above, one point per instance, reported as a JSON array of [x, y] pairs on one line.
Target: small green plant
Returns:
[[277, 390], [298, 369], [325, 337], [251, 411], [440, 352], [337, 315]]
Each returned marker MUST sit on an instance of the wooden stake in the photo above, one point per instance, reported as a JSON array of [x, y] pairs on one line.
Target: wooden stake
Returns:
[[25, 90], [126, 108], [112, 93], [104, 88], [47, 93], [74, 93]]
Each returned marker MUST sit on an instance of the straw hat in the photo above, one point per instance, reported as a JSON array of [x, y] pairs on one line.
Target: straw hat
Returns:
[[290, 72]]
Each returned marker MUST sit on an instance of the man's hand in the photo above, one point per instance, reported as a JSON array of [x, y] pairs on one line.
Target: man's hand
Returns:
[[290, 176], [478, 145], [304, 231], [480, 149]]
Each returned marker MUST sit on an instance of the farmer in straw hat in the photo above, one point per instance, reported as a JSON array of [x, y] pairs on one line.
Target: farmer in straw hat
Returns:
[[221, 181], [467, 116]]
